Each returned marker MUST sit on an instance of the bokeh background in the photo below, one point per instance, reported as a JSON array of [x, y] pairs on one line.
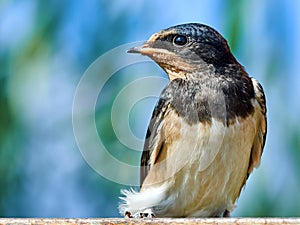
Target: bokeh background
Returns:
[[46, 46]]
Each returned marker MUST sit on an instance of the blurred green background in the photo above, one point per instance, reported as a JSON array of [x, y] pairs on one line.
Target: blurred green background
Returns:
[[45, 47]]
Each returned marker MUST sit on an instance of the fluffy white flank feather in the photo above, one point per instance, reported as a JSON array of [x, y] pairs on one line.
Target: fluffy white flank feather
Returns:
[[137, 202]]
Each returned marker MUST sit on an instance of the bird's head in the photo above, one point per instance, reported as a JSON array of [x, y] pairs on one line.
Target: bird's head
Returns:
[[186, 48]]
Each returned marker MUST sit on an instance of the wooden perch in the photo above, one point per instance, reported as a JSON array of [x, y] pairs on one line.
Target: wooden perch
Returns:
[[119, 221]]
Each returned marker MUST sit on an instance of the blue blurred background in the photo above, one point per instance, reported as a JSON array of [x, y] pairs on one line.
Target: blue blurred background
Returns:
[[45, 47]]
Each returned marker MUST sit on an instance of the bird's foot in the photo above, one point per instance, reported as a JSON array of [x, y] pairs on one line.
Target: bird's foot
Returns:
[[145, 214], [128, 215]]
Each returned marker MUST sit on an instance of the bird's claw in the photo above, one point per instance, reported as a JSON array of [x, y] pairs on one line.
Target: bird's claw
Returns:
[[145, 214], [128, 215]]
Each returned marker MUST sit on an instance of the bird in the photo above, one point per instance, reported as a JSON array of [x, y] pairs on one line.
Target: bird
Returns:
[[207, 131]]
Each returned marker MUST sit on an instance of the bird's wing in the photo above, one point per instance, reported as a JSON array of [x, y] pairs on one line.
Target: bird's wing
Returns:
[[154, 138], [260, 137]]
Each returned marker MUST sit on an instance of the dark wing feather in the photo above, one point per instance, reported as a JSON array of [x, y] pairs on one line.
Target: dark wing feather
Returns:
[[154, 139], [259, 141]]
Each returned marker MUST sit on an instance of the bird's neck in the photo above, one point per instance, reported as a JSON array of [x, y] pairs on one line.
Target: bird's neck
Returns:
[[190, 73], [174, 73]]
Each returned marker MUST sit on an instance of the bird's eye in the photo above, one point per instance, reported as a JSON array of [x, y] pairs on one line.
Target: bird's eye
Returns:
[[180, 40]]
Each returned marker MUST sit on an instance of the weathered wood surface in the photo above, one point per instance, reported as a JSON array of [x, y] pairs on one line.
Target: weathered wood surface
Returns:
[[111, 221]]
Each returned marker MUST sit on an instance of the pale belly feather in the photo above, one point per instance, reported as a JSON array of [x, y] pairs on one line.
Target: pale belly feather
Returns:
[[205, 170]]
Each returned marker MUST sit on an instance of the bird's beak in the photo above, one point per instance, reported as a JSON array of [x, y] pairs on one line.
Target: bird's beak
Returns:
[[136, 49], [144, 49]]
